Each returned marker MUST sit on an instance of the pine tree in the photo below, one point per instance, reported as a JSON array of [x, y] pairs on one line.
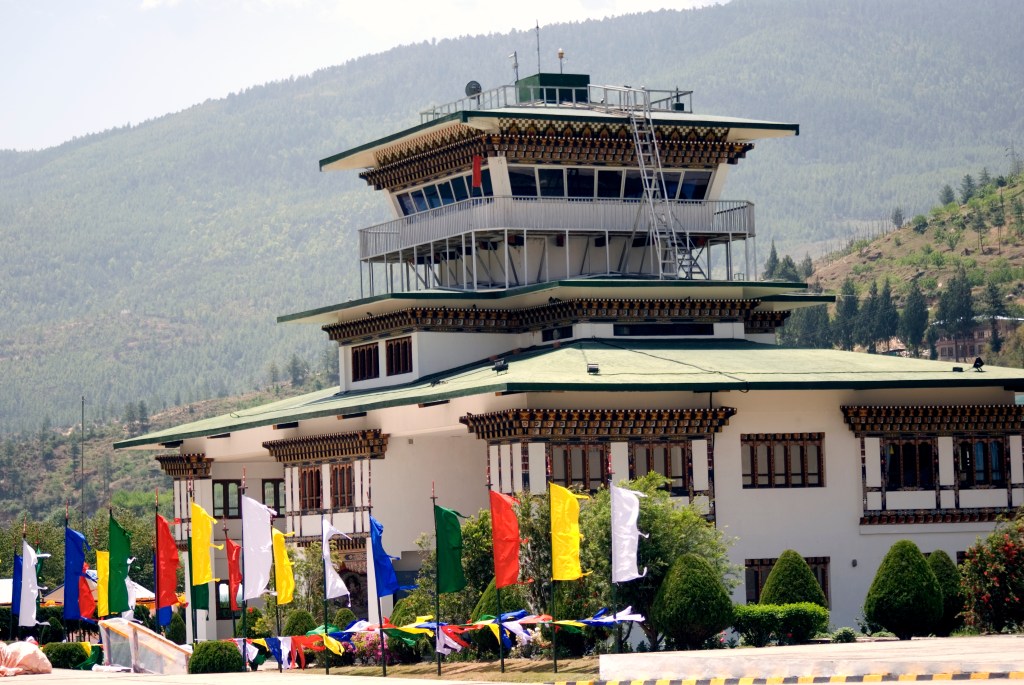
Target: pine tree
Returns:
[[946, 195], [847, 310], [297, 370], [143, 416], [787, 270], [887, 319], [806, 267], [984, 178], [866, 329], [967, 189], [914, 319], [897, 217], [956, 308], [772, 265], [994, 307]]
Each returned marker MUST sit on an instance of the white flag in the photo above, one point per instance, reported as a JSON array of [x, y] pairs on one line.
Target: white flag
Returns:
[[29, 586], [335, 586], [258, 549], [625, 535]]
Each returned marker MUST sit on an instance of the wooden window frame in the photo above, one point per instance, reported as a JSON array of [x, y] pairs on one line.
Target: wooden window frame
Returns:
[[311, 489], [280, 495], [229, 508], [780, 468], [365, 362], [895, 450], [224, 612], [398, 355], [967, 466], [756, 572], [645, 453], [343, 485], [562, 456]]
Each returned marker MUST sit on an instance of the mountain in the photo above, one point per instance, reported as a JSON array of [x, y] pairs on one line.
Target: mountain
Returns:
[[149, 262]]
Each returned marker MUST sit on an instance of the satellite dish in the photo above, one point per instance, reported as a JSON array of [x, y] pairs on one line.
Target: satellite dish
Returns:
[[473, 88]]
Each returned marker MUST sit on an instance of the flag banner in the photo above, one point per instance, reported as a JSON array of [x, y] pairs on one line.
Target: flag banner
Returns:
[[450, 576], [167, 562], [74, 562], [234, 572], [29, 587], [284, 578], [565, 534], [383, 569], [117, 585], [478, 162], [102, 583], [202, 541], [505, 539], [258, 547], [16, 586], [200, 594], [164, 616], [334, 585], [86, 602], [625, 534]]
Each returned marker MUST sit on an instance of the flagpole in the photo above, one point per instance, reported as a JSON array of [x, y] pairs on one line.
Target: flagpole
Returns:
[[437, 582], [67, 513], [325, 554], [24, 541], [554, 628], [497, 591], [81, 461], [241, 561]]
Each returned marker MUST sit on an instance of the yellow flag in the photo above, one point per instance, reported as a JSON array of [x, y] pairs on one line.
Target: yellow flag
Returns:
[[202, 541], [565, 534], [102, 579], [333, 645], [284, 579]]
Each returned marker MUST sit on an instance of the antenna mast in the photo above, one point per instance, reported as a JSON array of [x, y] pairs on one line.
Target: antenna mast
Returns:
[[538, 46]]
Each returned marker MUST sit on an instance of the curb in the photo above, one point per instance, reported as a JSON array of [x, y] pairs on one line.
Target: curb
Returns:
[[808, 680]]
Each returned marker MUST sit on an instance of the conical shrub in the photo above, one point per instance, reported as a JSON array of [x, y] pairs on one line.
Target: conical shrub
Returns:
[[692, 604], [949, 582], [792, 581], [904, 598]]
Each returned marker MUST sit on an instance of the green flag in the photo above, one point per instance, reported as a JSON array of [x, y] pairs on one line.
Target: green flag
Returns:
[[200, 595], [450, 577], [120, 550]]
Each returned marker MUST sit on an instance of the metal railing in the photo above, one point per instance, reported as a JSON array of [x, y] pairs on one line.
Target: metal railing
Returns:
[[733, 218]]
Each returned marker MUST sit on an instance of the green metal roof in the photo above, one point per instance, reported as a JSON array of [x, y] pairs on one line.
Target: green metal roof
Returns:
[[624, 366]]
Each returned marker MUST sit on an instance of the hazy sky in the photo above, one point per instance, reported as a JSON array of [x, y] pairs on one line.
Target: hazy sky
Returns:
[[73, 67]]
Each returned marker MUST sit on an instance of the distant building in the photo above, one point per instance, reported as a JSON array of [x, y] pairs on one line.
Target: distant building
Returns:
[[977, 342]]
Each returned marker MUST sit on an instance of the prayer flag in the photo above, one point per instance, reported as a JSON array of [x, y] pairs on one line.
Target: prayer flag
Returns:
[[102, 583], [284, 579], [505, 539], [16, 585], [383, 569], [625, 534], [167, 562], [117, 585], [258, 546], [200, 595], [202, 541], [477, 171], [74, 562], [334, 585], [450, 577], [29, 586], [234, 571], [565, 533], [86, 602]]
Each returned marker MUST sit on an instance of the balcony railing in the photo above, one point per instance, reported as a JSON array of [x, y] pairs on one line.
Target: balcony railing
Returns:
[[716, 220]]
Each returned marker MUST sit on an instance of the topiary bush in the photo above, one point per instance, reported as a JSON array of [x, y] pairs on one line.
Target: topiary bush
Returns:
[[993, 578], [215, 657], [844, 635], [343, 617], [756, 623], [949, 583], [64, 654], [299, 622], [176, 632], [801, 621], [53, 631], [692, 604], [904, 597], [791, 581]]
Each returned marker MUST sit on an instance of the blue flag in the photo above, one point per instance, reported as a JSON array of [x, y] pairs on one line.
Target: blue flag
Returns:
[[74, 561], [383, 569], [16, 587]]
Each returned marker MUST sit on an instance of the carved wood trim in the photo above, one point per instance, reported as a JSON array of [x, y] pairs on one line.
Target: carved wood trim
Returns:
[[331, 446], [935, 419]]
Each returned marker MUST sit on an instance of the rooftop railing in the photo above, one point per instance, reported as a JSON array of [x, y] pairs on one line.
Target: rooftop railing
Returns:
[[732, 219]]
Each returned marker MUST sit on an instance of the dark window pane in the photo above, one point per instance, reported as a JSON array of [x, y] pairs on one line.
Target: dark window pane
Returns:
[[459, 187], [634, 186], [405, 202], [609, 183], [581, 182], [551, 182], [419, 201], [444, 189], [486, 178], [433, 199], [672, 184], [695, 185], [522, 181]]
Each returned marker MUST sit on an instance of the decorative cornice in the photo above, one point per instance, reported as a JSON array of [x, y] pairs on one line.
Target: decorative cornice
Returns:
[[764, 322], [544, 425], [319, 448], [934, 420], [546, 315], [905, 516], [186, 466]]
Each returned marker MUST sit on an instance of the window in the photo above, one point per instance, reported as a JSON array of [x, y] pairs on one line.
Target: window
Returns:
[[757, 571], [273, 494], [551, 181], [522, 181], [343, 485], [609, 183], [585, 465], [981, 461], [787, 460], [695, 185], [909, 463], [633, 189], [227, 498], [224, 612], [670, 459], [399, 356], [310, 488], [581, 182], [365, 362]]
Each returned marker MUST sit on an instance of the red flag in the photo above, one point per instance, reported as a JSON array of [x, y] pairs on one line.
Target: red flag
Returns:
[[86, 602], [166, 564], [234, 571], [505, 536], [478, 171]]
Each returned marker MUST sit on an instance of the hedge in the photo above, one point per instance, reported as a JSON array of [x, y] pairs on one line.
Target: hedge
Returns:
[[216, 656], [760, 624], [64, 654]]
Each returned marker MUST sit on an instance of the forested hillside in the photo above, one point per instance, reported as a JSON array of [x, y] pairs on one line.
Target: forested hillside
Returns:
[[149, 262]]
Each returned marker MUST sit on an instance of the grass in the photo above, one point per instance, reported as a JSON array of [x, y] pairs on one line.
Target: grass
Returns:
[[516, 670]]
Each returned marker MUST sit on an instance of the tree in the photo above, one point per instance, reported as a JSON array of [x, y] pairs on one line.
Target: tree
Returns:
[[904, 598], [978, 226], [297, 370], [956, 308], [866, 330], [994, 307], [806, 268], [946, 195], [274, 373], [847, 313], [919, 223], [949, 582], [792, 581], [984, 178], [887, 319], [1018, 215], [897, 217], [787, 270], [914, 319], [772, 264], [143, 416], [967, 189], [993, 578], [692, 604]]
